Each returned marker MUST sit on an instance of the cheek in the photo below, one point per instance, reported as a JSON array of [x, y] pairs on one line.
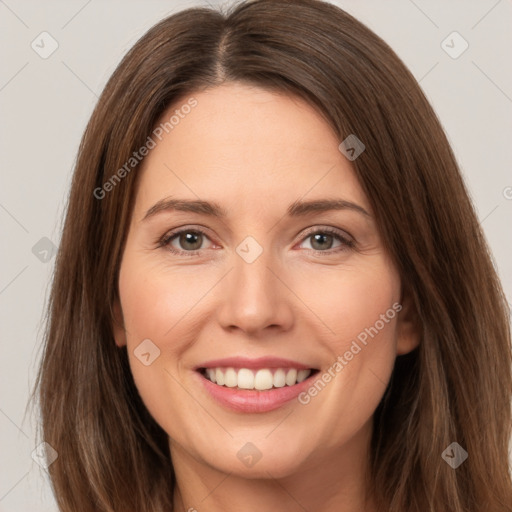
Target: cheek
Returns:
[[354, 302], [368, 315], [155, 305], [155, 299], [361, 309]]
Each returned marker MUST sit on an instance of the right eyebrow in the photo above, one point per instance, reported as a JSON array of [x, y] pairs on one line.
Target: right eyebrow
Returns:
[[186, 205]]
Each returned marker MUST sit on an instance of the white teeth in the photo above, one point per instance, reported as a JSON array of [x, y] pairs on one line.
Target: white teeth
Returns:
[[291, 377], [245, 378], [263, 380], [302, 375], [230, 378], [279, 378], [260, 380], [219, 377]]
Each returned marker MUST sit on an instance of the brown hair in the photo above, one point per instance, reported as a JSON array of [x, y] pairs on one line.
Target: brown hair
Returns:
[[456, 386]]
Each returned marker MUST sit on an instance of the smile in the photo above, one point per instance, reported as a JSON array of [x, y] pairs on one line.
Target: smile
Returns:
[[261, 379], [258, 385]]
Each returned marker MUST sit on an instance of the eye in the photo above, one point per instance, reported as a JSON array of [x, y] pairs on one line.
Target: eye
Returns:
[[189, 241], [323, 240]]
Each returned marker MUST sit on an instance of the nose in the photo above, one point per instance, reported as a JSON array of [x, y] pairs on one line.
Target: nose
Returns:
[[254, 299]]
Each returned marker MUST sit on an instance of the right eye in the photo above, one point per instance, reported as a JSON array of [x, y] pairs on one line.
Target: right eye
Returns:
[[190, 241]]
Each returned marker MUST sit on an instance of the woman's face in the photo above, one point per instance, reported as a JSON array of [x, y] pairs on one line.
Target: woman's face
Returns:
[[252, 280]]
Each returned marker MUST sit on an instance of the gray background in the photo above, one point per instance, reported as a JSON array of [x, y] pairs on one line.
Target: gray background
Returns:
[[45, 104]]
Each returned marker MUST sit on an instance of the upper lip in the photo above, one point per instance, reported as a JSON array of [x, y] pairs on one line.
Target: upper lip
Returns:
[[259, 362]]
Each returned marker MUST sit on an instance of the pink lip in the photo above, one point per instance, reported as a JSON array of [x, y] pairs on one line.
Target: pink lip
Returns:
[[253, 401], [260, 362]]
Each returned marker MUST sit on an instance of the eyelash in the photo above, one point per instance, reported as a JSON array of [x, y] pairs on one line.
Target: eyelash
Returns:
[[346, 242]]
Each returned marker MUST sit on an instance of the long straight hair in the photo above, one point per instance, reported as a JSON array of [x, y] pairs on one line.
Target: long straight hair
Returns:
[[455, 387]]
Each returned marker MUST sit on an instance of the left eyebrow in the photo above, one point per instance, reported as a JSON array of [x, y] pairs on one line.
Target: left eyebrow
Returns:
[[296, 209], [302, 208]]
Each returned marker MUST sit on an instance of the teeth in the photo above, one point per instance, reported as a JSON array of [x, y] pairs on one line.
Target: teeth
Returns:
[[262, 379], [230, 378], [245, 378], [302, 375], [279, 378], [210, 372], [291, 377], [219, 377]]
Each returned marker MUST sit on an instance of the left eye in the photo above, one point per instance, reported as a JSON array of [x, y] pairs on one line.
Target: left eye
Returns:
[[323, 240]]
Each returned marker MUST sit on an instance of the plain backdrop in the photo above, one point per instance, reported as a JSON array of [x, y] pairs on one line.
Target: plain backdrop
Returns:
[[46, 102]]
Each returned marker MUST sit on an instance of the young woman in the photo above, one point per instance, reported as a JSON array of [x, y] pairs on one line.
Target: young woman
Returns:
[[272, 291]]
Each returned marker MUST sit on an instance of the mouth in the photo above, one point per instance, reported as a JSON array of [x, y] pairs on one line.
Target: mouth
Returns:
[[262, 379], [254, 386]]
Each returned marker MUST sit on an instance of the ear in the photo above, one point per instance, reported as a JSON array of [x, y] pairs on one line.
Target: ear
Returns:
[[408, 326], [118, 324]]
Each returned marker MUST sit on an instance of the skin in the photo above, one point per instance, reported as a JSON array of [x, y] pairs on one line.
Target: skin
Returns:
[[255, 152]]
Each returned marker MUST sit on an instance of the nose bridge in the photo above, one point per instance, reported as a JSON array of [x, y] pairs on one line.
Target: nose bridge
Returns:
[[253, 297]]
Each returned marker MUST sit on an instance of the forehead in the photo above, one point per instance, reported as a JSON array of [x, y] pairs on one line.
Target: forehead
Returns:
[[249, 146]]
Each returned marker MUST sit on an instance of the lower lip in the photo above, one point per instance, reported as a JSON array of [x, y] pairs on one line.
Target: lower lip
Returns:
[[250, 400]]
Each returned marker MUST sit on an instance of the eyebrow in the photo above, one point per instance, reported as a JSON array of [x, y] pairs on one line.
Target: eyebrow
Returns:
[[296, 209]]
